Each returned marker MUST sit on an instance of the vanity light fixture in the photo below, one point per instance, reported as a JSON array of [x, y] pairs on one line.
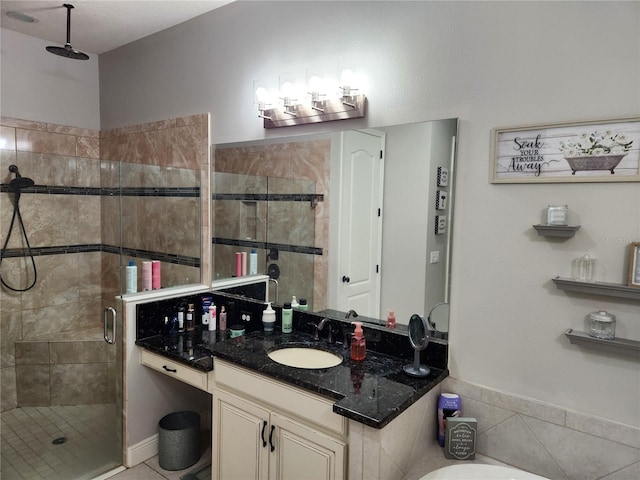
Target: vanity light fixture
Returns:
[[318, 107]]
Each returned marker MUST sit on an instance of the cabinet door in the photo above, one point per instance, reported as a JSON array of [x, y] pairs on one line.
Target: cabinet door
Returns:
[[238, 428], [302, 453]]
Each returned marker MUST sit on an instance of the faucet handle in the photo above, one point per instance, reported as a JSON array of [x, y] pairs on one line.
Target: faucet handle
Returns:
[[315, 330]]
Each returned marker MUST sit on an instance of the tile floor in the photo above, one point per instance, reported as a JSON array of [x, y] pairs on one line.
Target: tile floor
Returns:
[[29, 453], [150, 470]]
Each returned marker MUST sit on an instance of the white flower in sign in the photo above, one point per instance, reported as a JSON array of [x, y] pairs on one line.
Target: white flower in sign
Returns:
[[596, 144]]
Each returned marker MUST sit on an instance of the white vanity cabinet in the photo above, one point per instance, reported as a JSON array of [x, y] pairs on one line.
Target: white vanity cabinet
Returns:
[[265, 429]]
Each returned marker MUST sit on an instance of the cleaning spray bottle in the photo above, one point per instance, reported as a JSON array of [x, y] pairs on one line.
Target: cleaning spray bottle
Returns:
[[358, 343]]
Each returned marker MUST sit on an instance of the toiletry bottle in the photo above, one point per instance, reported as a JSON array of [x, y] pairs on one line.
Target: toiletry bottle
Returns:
[[358, 343], [146, 276], [304, 306], [287, 318], [190, 320], [253, 262], [243, 256], [132, 277], [181, 319], [268, 318], [223, 319], [391, 320], [212, 318], [294, 302], [155, 275]]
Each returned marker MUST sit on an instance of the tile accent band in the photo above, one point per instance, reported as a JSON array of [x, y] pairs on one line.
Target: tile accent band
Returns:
[[88, 248]]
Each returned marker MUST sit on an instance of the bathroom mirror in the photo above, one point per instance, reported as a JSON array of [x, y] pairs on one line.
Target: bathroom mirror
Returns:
[[278, 196]]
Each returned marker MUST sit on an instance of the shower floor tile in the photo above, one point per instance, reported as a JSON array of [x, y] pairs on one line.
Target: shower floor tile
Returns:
[[27, 451]]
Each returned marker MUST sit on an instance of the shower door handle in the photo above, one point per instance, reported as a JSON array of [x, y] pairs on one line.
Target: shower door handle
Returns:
[[111, 340]]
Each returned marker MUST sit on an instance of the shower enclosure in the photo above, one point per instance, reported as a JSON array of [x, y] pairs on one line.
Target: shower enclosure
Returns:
[[99, 199]]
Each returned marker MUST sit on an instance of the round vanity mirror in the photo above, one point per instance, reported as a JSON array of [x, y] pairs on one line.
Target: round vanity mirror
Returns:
[[419, 338]]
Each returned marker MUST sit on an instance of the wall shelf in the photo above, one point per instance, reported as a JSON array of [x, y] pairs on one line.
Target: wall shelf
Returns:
[[597, 288], [565, 231], [618, 345]]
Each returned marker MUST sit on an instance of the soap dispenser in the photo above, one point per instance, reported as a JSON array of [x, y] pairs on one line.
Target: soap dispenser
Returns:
[[358, 343], [391, 320], [268, 318]]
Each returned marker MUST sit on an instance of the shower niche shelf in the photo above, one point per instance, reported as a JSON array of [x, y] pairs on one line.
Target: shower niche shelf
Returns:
[[563, 231], [616, 345], [598, 288]]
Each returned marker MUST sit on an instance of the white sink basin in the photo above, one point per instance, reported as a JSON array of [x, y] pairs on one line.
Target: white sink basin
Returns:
[[309, 358]]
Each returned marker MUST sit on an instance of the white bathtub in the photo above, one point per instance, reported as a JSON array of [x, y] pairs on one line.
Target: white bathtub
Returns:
[[477, 471]]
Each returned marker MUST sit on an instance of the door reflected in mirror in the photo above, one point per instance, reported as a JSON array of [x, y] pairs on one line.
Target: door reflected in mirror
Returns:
[[284, 195]]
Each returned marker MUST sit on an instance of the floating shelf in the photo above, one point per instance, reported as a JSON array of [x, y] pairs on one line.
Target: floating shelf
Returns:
[[619, 345], [598, 288], [565, 231]]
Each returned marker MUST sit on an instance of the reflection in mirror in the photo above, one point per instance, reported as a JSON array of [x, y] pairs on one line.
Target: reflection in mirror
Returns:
[[438, 320], [282, 196], [419, 338]]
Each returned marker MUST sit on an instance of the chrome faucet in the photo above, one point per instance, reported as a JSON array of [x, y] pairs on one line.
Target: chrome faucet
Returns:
[[351, 313], [320, 326]]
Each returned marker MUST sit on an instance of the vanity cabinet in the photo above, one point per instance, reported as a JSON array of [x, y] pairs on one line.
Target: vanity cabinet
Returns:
[[264, 429]]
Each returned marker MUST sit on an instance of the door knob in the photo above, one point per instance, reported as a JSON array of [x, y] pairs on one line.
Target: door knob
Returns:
[[345, 279]]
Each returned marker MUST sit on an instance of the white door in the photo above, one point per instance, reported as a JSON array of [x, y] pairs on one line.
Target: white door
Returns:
[[360, 223]]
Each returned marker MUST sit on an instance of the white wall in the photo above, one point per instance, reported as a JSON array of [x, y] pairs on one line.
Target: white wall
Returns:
[[492, 64], [40, 86]]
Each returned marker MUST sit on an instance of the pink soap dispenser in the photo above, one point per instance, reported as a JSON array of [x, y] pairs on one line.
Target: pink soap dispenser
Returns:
[[358, 343], [391, 320]]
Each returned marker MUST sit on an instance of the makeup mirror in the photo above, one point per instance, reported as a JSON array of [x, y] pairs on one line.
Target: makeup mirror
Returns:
[[419, 337]]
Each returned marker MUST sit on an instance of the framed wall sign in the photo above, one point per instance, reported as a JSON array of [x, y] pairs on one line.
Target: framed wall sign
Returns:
[[634, 265], [596, 151]]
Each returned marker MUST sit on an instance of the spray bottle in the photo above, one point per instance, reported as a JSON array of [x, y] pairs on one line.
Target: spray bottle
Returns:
[[358, 343]]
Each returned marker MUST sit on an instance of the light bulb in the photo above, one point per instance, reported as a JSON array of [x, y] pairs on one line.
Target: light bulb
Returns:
[[315, 84], [346, 78], [261, 94]]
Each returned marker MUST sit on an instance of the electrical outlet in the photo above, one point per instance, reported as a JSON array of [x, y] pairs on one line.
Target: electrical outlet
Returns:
[[435, 257], [245, 316]]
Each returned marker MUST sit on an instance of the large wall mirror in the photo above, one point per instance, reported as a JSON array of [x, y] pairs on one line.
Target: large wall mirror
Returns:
[[335, 222]]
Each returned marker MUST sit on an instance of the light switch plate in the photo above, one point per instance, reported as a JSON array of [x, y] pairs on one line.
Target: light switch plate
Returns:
[[435, 257], [441, 200]]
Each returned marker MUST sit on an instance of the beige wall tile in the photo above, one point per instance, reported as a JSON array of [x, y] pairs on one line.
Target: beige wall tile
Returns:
[[32, 385], [78, 384], [10, 333], [9, 397], [32, 353], [7, 138], [45, 142], [78, 352]]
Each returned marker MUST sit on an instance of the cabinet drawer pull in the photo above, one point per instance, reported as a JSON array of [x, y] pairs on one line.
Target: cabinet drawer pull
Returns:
[[169, 369], [273, 447], [264, 441]]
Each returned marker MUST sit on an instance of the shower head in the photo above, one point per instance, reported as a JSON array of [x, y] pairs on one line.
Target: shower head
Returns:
[[68, 51], [19, 182]]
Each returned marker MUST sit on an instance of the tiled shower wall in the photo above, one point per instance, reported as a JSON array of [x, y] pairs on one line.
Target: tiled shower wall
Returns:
[[283, 168], [73, 225]]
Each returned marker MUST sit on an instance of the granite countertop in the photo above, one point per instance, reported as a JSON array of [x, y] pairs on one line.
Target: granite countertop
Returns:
[[373, 391]]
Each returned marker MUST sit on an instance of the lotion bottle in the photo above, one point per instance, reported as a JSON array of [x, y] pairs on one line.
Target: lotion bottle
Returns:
[[294, 302], [287, 318], [132, 277], [303, 305], [358, 343], [190, 320], [268, 318]]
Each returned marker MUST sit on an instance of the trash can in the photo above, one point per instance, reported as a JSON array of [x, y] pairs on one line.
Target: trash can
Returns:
[[179, 440]]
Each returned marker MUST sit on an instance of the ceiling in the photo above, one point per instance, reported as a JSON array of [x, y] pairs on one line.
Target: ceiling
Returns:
[[98, 26]]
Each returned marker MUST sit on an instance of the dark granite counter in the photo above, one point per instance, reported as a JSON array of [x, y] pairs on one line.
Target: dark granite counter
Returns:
[[372, 392]]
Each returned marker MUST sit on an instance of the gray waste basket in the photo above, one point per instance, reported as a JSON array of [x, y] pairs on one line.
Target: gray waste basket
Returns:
[[179, 440]]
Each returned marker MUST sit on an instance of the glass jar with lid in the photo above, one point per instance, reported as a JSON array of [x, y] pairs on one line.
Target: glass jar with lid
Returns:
[[602, 325]]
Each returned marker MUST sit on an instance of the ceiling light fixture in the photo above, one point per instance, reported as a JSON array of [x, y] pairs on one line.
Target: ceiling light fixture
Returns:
[[21, 17]]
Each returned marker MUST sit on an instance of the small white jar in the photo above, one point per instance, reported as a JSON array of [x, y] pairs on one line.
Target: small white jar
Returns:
[[602, 325]]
